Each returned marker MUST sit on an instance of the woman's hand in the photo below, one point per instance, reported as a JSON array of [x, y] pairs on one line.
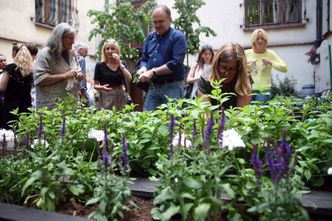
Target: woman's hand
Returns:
[[117, 58], [106, 87], [266, 61]]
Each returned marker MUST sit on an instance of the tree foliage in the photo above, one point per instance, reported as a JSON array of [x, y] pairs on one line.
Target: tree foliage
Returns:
[[190, 24], [122, 22]]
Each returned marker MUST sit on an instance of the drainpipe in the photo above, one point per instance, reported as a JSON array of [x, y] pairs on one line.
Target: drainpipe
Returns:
[[319, 20]]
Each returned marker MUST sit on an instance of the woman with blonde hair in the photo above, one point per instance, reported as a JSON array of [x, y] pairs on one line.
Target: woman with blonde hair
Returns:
[[16, 82], [230, 64], [110, 77], [261, 61]]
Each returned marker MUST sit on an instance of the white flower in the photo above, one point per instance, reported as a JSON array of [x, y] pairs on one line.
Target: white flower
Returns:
[[232, 139], [8, 133], [96, 134], [175, 141], [329, 171], [41, 142]]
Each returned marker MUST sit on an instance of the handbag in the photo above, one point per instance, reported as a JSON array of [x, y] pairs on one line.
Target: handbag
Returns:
[[187, 90]]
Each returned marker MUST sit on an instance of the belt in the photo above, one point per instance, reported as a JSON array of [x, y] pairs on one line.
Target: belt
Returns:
[[167, 81]]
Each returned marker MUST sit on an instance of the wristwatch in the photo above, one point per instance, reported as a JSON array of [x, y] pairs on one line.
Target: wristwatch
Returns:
[[154, 72]]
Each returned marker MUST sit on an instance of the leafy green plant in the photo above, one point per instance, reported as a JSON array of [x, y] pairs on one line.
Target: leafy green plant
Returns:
[[277, 197], [190, 24], [285, 87], [124, 23]]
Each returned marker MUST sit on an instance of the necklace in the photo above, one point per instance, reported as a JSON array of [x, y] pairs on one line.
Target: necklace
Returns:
[[112, 66]]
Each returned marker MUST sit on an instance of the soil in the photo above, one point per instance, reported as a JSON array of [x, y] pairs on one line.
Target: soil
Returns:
[[139, 213]]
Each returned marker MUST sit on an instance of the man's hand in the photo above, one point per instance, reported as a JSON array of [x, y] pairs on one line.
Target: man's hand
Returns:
[[146, 76]]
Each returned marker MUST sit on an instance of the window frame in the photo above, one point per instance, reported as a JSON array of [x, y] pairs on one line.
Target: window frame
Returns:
[[43, 12], [299, 22]]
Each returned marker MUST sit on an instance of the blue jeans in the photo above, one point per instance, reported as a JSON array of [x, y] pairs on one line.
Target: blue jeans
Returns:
[[261, 96], [158, 93]]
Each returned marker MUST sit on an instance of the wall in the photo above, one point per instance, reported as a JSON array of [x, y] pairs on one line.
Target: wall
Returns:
[[16, 21]]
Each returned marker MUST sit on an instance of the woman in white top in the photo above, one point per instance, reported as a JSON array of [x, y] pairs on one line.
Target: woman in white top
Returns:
[[202, 65]]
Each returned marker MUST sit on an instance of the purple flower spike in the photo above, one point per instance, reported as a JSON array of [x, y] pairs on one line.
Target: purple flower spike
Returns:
[[105, 139], [207, 133], [27, 142], [256, 163], [105, 158], [171, 134], [221, 127], [125, 160], [63, 127], [193, 132], [41, 127]]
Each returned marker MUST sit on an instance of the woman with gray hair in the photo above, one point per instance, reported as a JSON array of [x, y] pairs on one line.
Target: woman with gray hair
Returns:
[[56, 72]]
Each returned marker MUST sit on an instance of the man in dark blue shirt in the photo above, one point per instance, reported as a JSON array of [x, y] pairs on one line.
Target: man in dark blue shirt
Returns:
[[162, 60]]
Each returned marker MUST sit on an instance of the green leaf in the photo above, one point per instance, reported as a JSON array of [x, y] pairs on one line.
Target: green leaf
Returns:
[[201, 212], [163, 196], [187, 196], [192, 183], [76, 189], [171, 211], [185, 210], [307, 174], [227, 188], [92, 201], [34, 176]]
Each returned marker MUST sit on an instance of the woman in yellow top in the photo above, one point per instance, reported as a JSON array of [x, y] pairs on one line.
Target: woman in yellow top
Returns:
[[260, 62]]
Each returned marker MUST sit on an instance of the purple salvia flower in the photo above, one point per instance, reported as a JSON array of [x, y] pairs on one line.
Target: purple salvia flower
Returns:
[[207, 133], [105, 139], [41, 127], [27, 142], [256, 163], [171, 134], [284, 147], [193, 133], [125, 160], [221, 127], [63, 127], [105, 158]]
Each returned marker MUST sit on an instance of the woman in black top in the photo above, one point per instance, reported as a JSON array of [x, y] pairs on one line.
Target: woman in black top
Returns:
[[16, 81], [110, 77]]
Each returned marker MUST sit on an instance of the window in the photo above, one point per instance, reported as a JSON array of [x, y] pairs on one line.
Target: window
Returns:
[[272, 12], [53, 12]]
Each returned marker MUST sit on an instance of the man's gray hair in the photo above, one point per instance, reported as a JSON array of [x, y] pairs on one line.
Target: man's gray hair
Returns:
[[55, 40], [80, 45]]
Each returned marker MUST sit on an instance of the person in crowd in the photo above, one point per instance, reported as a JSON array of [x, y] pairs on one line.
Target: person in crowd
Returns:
[[162, 60], [230, 64], [81, 50], [56, 70], [110, 77], [3, 62], [202, 65], [16, 81], [261, 61]]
